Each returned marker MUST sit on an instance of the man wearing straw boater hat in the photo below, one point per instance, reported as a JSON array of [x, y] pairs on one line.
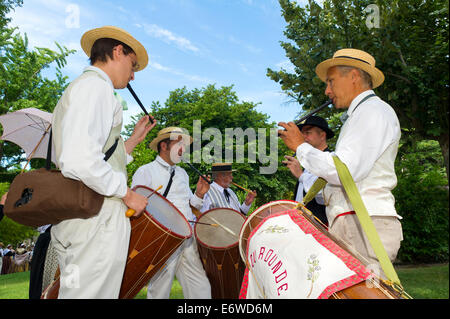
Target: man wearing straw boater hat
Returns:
[[367, 145], [221, 195], [184, 263], [86, 122]]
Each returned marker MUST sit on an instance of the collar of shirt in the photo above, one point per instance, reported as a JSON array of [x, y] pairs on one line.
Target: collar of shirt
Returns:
[[160, 160], [101, 72], [358, 99], [218, 187]]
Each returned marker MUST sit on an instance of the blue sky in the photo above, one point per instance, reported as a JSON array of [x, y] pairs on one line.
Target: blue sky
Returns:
[[191, 43]]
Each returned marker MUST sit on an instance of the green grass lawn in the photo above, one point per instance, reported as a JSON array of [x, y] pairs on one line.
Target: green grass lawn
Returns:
[[421, 282], [15, 286], [426, 281]]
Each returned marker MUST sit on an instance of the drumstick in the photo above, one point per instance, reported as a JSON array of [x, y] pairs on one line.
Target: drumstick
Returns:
[[196, 222], [130, 212], [224, 227], [243, 188]]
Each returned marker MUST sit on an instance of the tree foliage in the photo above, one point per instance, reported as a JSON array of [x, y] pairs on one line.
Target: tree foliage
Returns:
[[422, 200], [219, 108], [410, 46], [22, 83]]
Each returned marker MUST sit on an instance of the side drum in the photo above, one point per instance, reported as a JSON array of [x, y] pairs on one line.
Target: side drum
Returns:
[[155, 236], [217, 235]]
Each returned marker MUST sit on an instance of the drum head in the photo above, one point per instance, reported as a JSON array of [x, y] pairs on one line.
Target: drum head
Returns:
[[225, 234], [165, 214], [257, 217]]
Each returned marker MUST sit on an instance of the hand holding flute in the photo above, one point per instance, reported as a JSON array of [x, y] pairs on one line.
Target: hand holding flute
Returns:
[[291, 135], [251, 195]]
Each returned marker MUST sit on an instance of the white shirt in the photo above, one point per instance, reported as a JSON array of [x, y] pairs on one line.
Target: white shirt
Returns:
[[234, 204], [42, 229], [306, 181], [93, 111], [157, 173], [367, 144]]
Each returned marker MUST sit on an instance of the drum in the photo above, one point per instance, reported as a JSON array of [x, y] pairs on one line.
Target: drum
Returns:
[[219, 251], [155, 235], [289, 254], [154, 238]]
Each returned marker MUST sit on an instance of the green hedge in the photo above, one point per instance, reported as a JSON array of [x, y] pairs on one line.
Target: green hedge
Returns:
[[422, 200]]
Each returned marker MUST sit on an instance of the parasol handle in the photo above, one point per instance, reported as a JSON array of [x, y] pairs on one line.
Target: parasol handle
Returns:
[[35, 148]]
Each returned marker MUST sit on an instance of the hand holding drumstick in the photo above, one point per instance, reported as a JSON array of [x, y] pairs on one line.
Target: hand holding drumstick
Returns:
[[132, 212]]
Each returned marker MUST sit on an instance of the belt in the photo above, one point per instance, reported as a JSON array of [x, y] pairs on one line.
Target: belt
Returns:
[[346, 213]]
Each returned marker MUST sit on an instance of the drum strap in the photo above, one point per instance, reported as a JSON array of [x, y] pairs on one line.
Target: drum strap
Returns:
[[362, 214], [315, 188], [166, 191]]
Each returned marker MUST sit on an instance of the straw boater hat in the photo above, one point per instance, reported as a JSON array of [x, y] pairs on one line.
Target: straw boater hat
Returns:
[[171, 133], [221, 168], [355, 58], [88, 39]]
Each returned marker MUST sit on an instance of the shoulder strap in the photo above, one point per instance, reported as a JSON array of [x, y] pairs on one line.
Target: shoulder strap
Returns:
[[363, 100], [48, 162], [315, 188], [111, 150]]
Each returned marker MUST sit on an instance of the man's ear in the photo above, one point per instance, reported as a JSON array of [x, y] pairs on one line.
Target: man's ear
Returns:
[[163, 145], [356, 76], [117, 51]]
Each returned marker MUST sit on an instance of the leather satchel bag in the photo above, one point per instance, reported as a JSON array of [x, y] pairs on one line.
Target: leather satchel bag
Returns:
[[44, 196]]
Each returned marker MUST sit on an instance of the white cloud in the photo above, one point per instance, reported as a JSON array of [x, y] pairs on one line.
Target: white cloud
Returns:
[[190, 77], [169, 37], [244, 44], [46, 21]]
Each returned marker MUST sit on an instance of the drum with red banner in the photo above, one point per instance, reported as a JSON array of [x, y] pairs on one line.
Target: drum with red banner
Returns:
[[289, 254]]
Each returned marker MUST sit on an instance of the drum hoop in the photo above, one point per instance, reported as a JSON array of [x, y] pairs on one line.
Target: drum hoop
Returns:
[[157, 223], [214, 247], [250, 217]]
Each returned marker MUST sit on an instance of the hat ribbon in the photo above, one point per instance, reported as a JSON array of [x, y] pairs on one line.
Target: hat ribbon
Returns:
[[350, 57]]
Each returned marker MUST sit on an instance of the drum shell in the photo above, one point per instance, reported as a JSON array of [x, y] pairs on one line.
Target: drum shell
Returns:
[[223, 265], [151, 244], [358, 291], [138, 271]]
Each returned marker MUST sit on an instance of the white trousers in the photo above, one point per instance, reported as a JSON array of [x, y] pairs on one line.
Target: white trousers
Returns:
[[185, 264], [92, 253], [389, 229]]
